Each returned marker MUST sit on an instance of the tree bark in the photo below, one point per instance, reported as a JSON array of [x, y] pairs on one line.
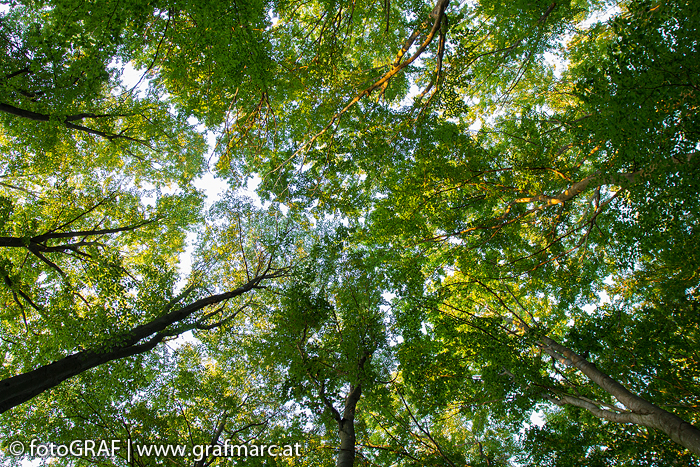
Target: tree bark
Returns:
[[596, 180], [346, 421], [640, 411], [23, 387], [346, 428], [38, 243], [28, 114]]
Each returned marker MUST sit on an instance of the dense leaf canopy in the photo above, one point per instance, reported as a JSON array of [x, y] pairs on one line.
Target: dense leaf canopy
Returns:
[[474, 238]]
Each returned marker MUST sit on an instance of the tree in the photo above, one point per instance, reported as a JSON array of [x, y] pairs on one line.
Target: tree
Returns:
[[327, 339], [89, 264], [143, 338], [144, 322]]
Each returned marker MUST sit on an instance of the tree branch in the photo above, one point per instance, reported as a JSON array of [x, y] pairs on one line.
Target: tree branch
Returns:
[[641, 411], [30, 115], [140, 339]]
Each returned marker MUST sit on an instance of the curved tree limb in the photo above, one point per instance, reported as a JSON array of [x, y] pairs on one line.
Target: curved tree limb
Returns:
[[640, 411], [21, 388]]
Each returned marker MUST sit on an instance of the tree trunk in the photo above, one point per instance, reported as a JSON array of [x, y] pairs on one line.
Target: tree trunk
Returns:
[[640, 411], [346, 428]]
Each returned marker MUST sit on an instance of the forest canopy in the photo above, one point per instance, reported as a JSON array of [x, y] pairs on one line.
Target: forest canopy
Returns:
[[473, 239]]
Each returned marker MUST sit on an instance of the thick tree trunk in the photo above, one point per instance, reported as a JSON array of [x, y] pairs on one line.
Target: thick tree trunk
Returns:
[[21, 388], [346, 428], [640, 411]]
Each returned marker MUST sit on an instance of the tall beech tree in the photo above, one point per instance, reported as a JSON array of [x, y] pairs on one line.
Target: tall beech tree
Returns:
[[143, 338], [328, 339], [144, 323]]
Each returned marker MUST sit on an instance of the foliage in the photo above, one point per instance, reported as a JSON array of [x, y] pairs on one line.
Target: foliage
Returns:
[[455, 238]]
